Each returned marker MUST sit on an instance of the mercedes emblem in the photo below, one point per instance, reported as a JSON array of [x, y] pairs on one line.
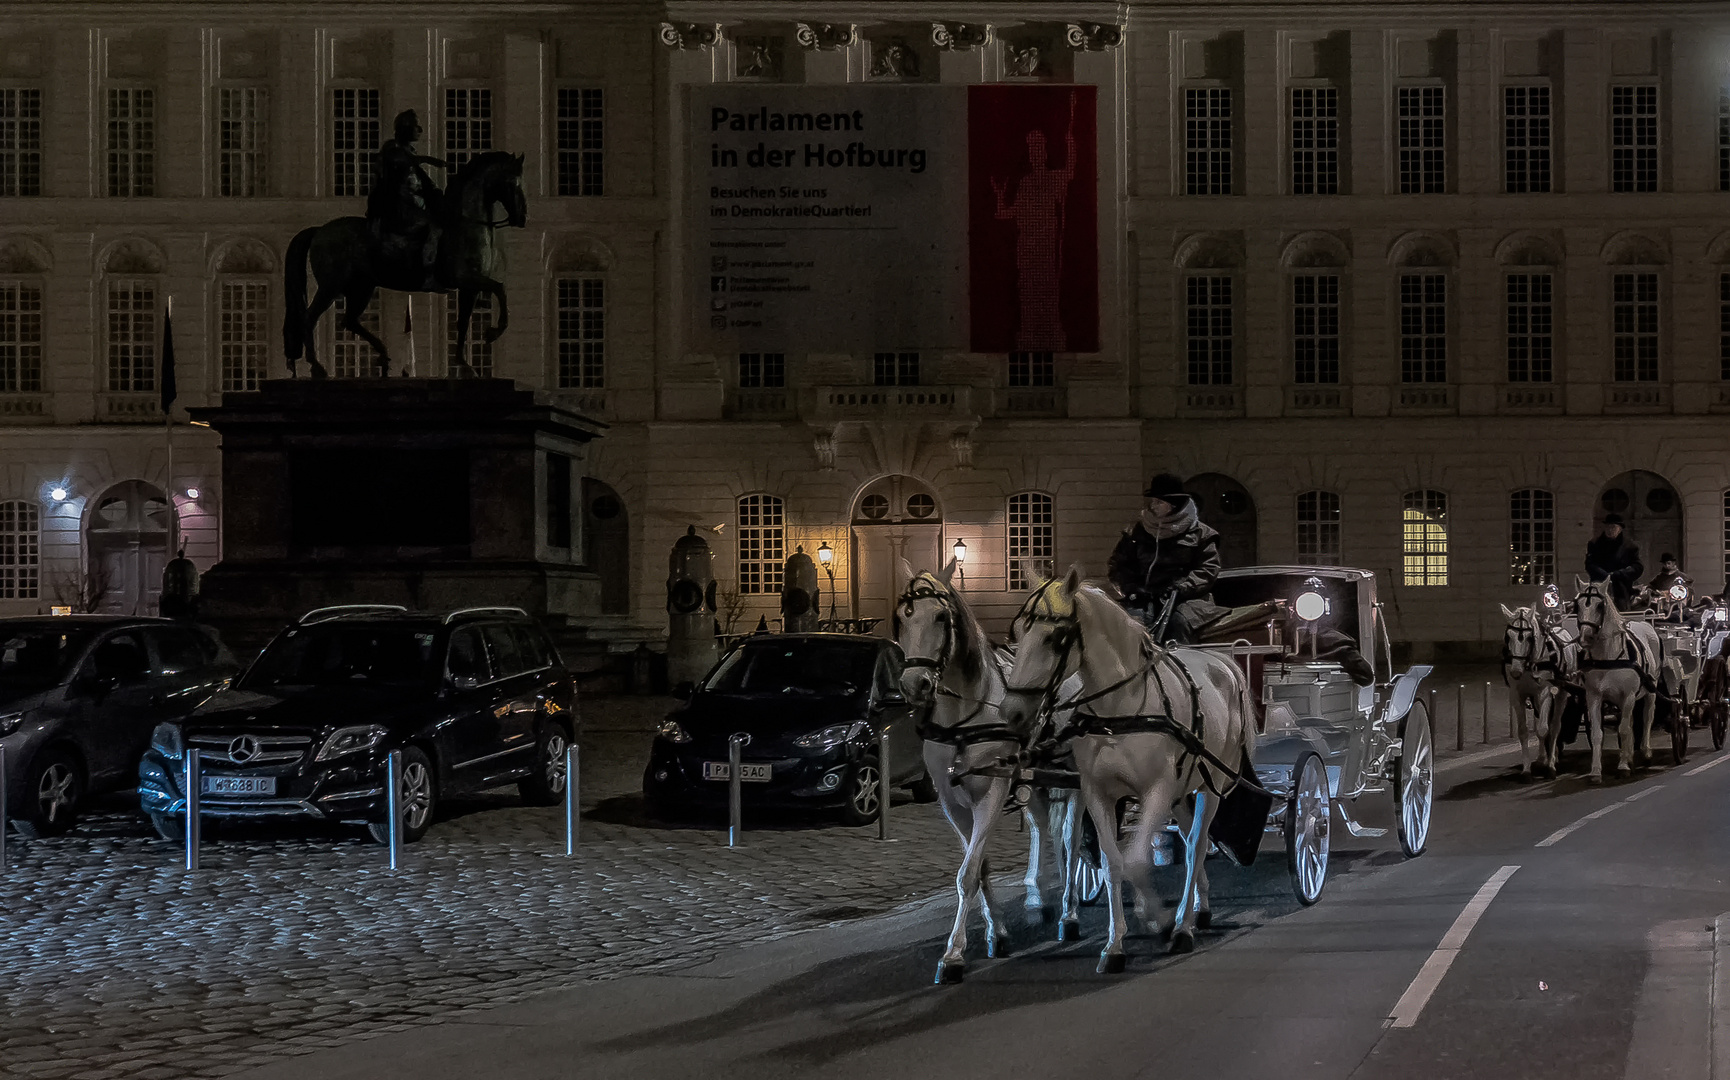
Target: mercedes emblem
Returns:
[[243, 749]]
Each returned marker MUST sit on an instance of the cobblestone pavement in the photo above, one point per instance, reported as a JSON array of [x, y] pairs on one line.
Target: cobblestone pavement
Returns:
[[116, 963]]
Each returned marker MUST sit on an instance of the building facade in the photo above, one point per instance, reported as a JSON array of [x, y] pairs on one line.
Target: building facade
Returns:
[[1421, 289]]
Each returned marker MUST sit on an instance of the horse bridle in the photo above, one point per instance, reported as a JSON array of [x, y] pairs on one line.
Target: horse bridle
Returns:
[[1596, 594], [921, 588]]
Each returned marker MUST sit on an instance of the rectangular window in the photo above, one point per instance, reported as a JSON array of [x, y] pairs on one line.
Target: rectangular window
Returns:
[[468, 124], [131, 336], [1207, 140], [1531, 345], [1423, 328], [895, 369], [20, 338], [1032, 369], [1633, 138], [558, 501], [1724, 138], [1318, 528], [762, 544], [352, 357], [1423, 139], [354, 139], [1315, 140], [1724, 326], [581, 134], [131, 142], [758, 370], [480, 350], [1526, 138], [241, 342], [1207, 305], [1634, 318], [20, 550], [242, 137], [20, 142], [1030, 539], [1531, 537], [1726, 535], [582, 333], [1425, 546], [1315, 311]]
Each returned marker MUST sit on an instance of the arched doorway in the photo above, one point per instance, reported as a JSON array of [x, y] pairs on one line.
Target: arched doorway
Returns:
[[1224, 505], [1651, 515], [607, 544], [127, 545], [894, 518]]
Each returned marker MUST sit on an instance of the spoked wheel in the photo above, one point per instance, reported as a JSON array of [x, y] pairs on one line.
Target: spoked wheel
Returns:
[[1414, 781], [419, 798], [1717, 714], [864, 789], [1679, 711], [1090, 868], [1308, 817]]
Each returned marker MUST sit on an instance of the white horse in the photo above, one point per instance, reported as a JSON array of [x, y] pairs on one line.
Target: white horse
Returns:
[[1619, 663], [972, 756], [1150, 724], [1535, 665]]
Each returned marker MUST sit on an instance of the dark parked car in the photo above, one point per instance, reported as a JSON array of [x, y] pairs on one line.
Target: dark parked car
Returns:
[[79, 695], [474, 699], [812, 707]]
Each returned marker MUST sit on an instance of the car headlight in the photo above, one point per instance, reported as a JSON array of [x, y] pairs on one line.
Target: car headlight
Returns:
[[830, 737], [167, 740], [673, 732], [350, 740], [11, 722]]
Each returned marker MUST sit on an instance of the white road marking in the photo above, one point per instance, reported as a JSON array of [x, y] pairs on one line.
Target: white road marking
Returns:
[[1564, 831], [1473, 758], [1417, 995], [1638, 795], [1713, 764]]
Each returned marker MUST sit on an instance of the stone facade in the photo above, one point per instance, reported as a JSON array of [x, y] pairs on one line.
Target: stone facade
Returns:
[[1216, 132]]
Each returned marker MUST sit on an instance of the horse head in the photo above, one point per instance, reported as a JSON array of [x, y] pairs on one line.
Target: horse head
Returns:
[[1519, 640], [1047, 631], [489, 179], [937, 634], [1598, 617]]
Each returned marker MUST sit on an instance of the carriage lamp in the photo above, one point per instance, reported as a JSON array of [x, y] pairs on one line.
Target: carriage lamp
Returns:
[[58, 494], [1311, 606], [1678, 591], [1552, 597], [826, 556], [960, 552], [192, 493]]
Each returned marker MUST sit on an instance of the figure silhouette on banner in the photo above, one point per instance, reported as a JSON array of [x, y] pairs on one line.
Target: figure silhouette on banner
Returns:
[[1038, 210]]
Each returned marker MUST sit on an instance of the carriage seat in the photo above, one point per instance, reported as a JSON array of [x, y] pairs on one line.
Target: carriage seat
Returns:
[[1236, 623]]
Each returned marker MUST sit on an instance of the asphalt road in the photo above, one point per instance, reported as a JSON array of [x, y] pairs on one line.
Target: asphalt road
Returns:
[[1594, 958]]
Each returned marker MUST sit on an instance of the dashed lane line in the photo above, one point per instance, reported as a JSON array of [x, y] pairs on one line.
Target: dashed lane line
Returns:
[[1713, 764], [1565, 831], [1417, 995]]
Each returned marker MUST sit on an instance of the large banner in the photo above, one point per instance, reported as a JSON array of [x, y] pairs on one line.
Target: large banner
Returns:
[[876, 218]]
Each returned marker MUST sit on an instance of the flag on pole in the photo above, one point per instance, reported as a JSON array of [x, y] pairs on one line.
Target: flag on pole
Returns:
[[408, 328], [169, 390]]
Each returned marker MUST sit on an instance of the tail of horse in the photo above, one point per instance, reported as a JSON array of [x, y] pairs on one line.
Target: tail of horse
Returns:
[[294, 315]]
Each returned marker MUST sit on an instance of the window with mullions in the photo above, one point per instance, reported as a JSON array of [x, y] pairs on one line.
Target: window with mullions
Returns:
[[1724, 326], [580, 128], [1315, 140], [1030, 539], [582, 330], [1422, 140], [1423, 328], [1424, 556], [1526, 139], [242, 136], [1634, 321], [895, 369], [352, 357], [1207, 306], [1531, 537], [1726, 534], [131, 142], [20, 550], [468, 124], [759, 370], [1315, 307], [131, 336], [1207, 140], [242, 344], [20, 142], [1032, 369], [1318, 528], [1531, 344], [354, 139], [20, 338], [1724, 138], [1633, 138], [762, 543], [480, 350]]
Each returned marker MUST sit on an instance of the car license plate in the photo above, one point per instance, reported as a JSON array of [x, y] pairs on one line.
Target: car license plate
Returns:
[[239, 785], [748, 774]]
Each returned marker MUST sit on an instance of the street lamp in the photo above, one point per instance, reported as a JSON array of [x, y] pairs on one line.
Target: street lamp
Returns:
[[826, 556], [960, 552]]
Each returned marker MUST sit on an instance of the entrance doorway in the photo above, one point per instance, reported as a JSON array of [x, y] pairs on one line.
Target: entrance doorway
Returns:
[[607, 544], [1224, 504], [1651, 515], [894, 518], [127, 543]]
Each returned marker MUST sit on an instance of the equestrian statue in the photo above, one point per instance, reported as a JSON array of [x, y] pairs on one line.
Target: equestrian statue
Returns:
[[414, 238]]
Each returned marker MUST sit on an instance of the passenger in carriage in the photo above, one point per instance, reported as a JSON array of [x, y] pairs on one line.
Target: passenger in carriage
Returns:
[[1168, 554], [1614, 557]]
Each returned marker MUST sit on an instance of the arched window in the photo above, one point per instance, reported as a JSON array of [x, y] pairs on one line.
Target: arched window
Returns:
[[1030, 549], [582, 331], [20, 546], [762, 543], [1425, 534], [1318, 528], [20, 337], [1531, 537], [242, 307]]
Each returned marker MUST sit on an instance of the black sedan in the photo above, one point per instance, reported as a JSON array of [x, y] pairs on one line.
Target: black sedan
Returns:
[[812, 708]]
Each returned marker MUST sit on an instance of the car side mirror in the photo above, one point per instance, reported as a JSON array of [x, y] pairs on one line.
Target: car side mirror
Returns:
[[464, 682]]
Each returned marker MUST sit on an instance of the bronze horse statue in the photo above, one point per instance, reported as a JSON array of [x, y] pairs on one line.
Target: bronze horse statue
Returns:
[[348, 262]]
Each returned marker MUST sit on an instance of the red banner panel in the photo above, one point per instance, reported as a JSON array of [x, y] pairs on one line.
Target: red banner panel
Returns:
[[1033, 218]]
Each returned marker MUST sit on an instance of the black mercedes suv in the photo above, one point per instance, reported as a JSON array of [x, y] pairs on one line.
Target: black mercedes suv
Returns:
[[474, 699]]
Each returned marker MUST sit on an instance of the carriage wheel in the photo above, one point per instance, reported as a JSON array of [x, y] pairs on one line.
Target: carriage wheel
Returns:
[[1090, 870], [1717, 714], [1678, 729], [1414, 781], [1308, 815]]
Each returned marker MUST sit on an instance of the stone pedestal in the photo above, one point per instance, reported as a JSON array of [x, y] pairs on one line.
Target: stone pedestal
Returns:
[[429, 493]]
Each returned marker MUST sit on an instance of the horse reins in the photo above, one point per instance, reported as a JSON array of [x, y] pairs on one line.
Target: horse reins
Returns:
[[965, 733]]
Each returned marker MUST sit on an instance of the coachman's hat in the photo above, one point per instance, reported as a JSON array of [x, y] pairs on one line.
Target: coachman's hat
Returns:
[[1165, 486], [1612, 519]]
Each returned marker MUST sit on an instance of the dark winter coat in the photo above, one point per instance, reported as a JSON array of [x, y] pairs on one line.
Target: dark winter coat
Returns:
[[1616, 561], [1144, 567]]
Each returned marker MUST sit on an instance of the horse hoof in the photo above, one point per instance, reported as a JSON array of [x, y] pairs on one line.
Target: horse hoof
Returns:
[[1203, 920], [1182, 942], [1069, 930], [949, 974], [997, 947], [1048, 913], [1111, 964], [1594, 778], [1623, 772]]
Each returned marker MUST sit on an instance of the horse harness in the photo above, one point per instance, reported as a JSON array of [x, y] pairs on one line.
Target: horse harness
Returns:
[[1639, 662], [1547, 652], [967, 732]]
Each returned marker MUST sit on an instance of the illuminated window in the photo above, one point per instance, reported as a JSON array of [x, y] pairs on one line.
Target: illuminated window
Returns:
[[1207, 140], [354, 139], [1425, 560], [241, 341], [1318, 528], [1531, 537], [1030, 538], [19, 550], [762, 544]]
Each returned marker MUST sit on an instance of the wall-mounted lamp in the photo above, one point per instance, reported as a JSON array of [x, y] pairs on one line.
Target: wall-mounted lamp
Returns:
[[58, 494], [960, 552], [826, 556]]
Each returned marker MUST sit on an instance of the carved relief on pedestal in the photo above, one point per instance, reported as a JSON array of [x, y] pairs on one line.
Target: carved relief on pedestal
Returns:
[[823, 445], [758, 57], [1093, 37], [961, 36], [825, 36], [1026, 58], [894, 58], [690, 35]]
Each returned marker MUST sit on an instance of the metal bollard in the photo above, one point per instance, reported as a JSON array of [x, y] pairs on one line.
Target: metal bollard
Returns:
[[573, 811], [1487, 712], [1436, 720], [393, 803], [883, 784], [2, 809], [735, 801], [194, 779]]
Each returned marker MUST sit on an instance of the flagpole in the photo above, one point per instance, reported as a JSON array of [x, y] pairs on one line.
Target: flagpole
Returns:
[[168, 436], [408, 328]]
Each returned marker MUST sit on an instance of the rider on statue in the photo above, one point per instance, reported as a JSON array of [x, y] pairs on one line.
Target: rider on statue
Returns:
[[1168, 558], [403, 207]]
